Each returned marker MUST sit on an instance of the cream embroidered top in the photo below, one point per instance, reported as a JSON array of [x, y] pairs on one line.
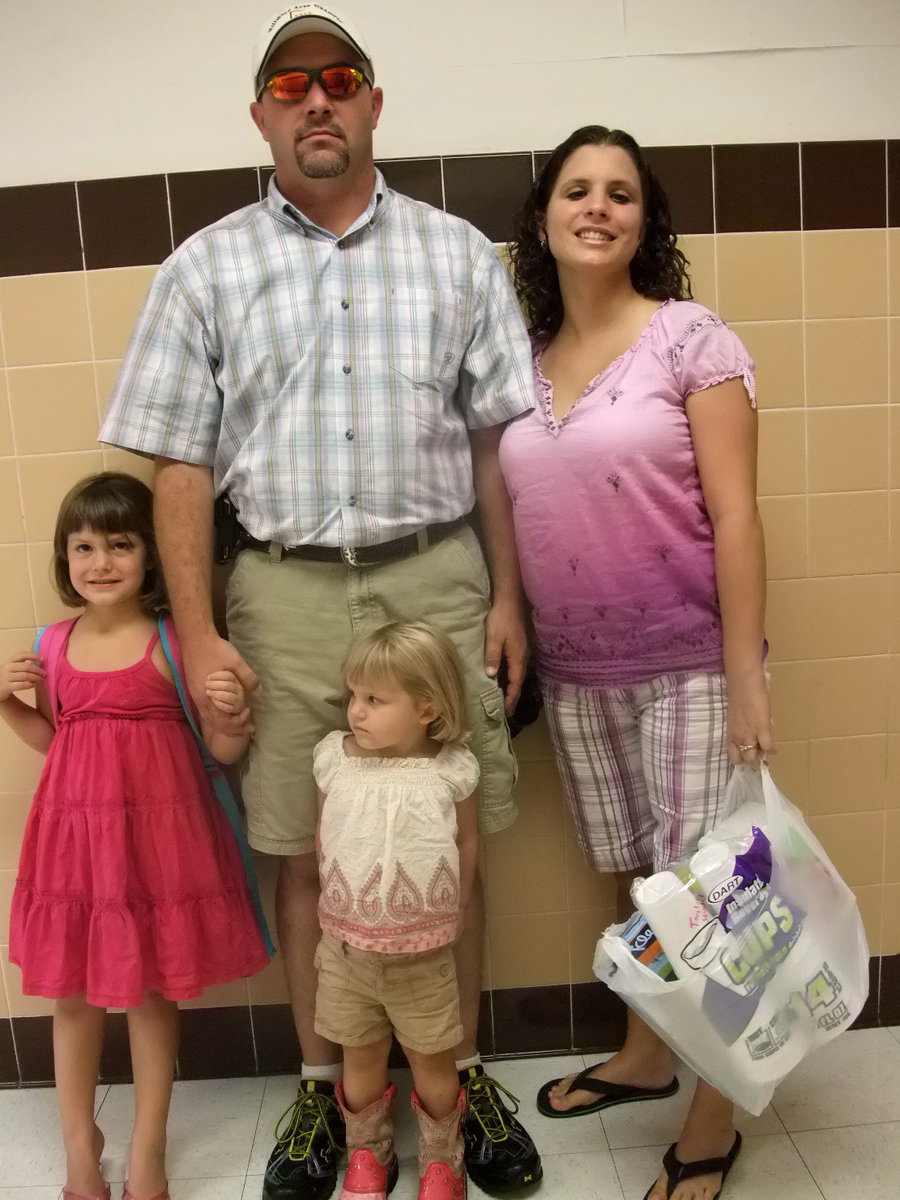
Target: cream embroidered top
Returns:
[[389, 863]]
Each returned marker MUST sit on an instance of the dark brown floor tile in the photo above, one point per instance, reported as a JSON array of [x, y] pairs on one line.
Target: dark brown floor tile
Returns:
[[889, 990], [9, 1068], [598, 1018], [125, 222], [277, 1049], [115, 1063], [416, 177], [757, 187], [843, 185], [33, 1037], [265, 174], [40, 229], [200, 197], [488, 190], [216, 1042], [685, 173], [893, 184], [532, 1020]]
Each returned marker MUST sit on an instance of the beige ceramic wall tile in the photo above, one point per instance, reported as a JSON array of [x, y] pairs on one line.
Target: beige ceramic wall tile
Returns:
[[16, 606], [871, 909], [790, 768], [787, 620], [539, 797], [700, 251], [269, 985], [585, 887], [894, 505], [585, 927], [54, 409], [847, 775], [848, 696], [14, 809], [894, 688], [4, 1004], [894, 602], [847, 362], [223, 995], [529, 950], [893, 770], [105, 375], [131, 464], [845, 273], [782, 453], [848, 449], [784, 520], [19, 1005], [855, 844], [748, 266], [894, 270], [525, 877], [890, 922], [789, 686], [47, 605], [45, 319], [21, 766], [777, 350], [45, 479], [7, 883], [892, 846], [12, 526], [849, 616], [894, 344], [114, 300], [848, 533], [6, 438]]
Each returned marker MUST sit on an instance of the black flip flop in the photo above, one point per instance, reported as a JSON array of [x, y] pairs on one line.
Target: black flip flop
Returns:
[[676, 1171], [607, 1094]]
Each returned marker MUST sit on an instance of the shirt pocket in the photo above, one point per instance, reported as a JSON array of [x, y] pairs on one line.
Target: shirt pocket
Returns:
[[425, 334]]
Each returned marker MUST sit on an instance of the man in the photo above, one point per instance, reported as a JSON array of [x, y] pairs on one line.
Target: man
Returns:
[[340, 361]]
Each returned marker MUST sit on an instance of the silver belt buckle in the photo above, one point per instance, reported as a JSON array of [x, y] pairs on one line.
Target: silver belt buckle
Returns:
[[348, 554]]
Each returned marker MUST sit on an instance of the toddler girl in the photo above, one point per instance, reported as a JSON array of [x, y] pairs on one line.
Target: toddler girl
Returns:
[[397, 845], [130, 891]]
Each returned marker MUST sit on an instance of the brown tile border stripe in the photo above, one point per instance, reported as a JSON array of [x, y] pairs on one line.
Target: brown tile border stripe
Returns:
[[135, 221], [260, 1039]]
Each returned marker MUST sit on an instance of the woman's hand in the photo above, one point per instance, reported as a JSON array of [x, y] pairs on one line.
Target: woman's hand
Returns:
[[20, 673], [750, 735]]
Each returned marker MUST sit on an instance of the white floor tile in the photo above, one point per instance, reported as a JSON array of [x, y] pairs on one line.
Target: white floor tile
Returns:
[[523, 1077], [894, 1030], [30, 1193], [589, 1176], [32, 1151], [768, 1165], [654, 1122], [854, 1080], [858, 1163], [207, 1189], [252, 1187], [280, 1091]]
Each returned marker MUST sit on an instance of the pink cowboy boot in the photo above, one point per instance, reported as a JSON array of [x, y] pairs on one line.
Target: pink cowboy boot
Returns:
[[371, 1162], [441, 1172]]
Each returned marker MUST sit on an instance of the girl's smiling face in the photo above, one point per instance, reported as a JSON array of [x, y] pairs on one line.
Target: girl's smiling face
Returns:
[[106, 569], [386, 719], [595, 215]]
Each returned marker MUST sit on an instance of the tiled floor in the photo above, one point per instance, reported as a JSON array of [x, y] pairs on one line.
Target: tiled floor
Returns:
[[831, 1133]]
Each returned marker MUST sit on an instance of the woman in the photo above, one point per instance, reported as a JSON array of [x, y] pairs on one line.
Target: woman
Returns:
[[633, 484]]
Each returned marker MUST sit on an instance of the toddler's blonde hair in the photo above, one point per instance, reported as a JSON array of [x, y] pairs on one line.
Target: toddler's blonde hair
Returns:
[[421, 660]]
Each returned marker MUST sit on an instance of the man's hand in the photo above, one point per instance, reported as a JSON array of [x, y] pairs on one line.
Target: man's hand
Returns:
[[209, 656], [505, 640]]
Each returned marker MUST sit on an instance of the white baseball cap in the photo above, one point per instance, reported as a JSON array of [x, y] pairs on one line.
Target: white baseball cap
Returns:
[[304, 18]]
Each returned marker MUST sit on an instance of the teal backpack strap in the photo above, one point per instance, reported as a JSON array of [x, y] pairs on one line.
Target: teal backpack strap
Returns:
[[220, 784]]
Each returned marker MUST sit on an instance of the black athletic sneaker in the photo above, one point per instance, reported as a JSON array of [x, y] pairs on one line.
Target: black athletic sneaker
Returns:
[[309, 1138], [499, 1153]]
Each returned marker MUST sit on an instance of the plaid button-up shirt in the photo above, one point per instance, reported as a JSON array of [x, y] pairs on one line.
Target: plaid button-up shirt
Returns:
[[329, 381]]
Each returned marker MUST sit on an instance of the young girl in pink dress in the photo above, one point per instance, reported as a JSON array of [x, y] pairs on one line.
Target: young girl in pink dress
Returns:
[[130, 891]]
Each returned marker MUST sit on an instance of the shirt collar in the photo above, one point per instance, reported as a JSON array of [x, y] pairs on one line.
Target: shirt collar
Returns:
[[374, 212]]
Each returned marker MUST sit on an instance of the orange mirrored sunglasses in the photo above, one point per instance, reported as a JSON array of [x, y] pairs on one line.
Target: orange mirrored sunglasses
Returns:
[[338, 81]]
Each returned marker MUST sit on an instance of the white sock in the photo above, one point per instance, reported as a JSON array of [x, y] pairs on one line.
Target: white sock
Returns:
[[463, 1064], [330, 1073]]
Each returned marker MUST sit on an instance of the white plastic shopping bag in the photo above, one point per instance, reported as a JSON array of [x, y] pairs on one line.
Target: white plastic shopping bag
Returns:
[[750, 955]]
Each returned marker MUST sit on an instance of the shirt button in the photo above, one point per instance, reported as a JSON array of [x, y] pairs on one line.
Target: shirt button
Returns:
[[345, 304], [351, 501], [349, 435], [346, 368]]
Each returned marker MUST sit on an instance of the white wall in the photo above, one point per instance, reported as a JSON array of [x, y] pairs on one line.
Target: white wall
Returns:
[[99, 88]]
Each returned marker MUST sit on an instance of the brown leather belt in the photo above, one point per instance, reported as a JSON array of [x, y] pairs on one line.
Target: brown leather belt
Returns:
[[359, 556]]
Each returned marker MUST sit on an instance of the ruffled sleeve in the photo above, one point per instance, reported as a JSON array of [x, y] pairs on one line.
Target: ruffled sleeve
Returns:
[[705, 352], [326, 757], [458, 767]]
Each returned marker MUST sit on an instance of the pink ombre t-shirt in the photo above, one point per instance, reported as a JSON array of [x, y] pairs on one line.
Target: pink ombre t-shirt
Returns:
[[614, 539]]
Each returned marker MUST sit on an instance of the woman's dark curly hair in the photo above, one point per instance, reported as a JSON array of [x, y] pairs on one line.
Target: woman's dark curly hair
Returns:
[[658, 269]]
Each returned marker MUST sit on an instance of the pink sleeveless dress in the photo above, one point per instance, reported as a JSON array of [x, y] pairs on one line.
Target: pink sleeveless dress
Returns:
[[129, 878]]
